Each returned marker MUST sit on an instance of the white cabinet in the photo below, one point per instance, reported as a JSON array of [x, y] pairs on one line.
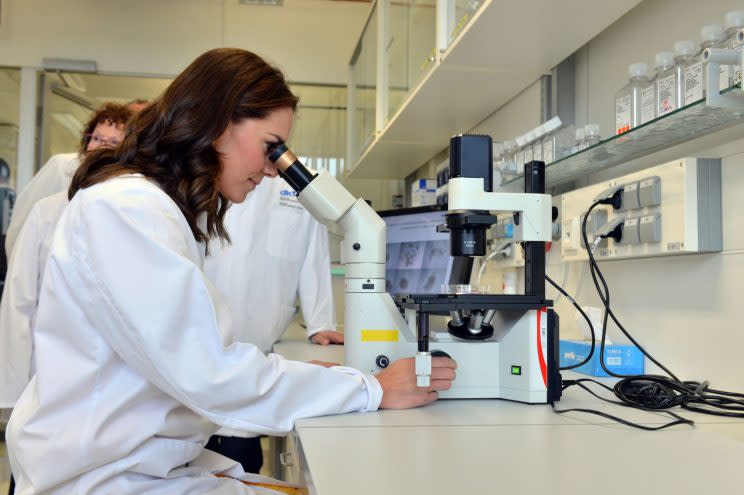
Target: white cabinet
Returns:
[[507, 46]]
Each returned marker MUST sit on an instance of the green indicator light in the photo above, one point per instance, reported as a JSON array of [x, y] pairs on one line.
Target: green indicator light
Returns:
[[516, 370]]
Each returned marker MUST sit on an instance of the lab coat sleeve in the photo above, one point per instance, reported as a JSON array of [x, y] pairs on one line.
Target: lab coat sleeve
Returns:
[[53, 177], [159, 318], [17, 310], [316, 294]]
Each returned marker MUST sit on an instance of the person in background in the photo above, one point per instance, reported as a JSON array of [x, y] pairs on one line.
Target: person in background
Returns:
[[7, 201], [105, 128], [136, 360], [39, 208], [28, 249], [278, 252]]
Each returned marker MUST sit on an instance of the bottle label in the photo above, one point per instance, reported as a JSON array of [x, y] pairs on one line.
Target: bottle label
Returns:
[[528, 154], [648, 104], [693, 82], [622, 114], [665, 92], [548, 150], [723, 83], [520, 162], [537, 152]]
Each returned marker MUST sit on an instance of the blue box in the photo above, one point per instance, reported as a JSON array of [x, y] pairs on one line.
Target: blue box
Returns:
[[429, 185], [623, 359]]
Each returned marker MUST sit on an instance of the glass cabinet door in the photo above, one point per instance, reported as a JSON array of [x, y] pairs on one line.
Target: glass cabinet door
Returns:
[[10, 95], [364, 85]]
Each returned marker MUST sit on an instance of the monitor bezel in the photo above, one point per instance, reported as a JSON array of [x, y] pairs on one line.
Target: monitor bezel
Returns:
[[411, 210]]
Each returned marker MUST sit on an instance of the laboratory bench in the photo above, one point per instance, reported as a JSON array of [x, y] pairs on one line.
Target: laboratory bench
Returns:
[[497, 446]]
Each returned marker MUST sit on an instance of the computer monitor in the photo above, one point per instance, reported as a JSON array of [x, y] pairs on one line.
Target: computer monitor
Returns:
[[418, 257]]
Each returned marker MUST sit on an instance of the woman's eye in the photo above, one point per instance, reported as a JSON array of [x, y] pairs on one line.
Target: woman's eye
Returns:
[[271, 146]]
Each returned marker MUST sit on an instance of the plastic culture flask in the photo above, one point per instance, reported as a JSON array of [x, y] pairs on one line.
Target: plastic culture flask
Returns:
[[628, 99], [694, 71], [665, 83]]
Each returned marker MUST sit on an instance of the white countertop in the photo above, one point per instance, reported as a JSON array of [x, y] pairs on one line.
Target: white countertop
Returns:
[[517, 459], [496, 446]]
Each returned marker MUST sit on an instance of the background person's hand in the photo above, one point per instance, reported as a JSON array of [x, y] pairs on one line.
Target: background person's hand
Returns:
[[399, 390], [326, 337]]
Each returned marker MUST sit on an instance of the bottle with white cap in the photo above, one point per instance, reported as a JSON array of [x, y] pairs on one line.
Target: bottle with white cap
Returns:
[[666, 83], [684, 52], [694, 74], [580, 142], [648, 100], [509, 163], [591, 135], [628, 99], [731, 75]]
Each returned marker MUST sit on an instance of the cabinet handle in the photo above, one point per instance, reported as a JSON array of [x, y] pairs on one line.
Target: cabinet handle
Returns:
[[287, 459]]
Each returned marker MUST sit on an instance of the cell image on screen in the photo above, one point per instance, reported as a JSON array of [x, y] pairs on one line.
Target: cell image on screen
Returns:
[[407, 281], [436, 254], [411, 255], [391, 254], [431, 281], [418, 257], [390, 277]]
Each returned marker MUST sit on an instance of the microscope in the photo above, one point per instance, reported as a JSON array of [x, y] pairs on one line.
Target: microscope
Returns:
[[506, 346]]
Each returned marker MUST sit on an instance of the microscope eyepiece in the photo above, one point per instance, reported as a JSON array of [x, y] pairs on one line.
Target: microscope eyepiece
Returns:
[[276, 150], [289, 166]]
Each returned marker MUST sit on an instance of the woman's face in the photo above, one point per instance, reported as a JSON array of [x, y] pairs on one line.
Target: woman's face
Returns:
[[105, 134], [243, 152]]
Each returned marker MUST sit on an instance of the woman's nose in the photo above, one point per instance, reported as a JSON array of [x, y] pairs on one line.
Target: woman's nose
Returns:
[[270, 169]]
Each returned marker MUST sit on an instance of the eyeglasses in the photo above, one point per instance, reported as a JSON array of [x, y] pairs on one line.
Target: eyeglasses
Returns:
[[99, 140]]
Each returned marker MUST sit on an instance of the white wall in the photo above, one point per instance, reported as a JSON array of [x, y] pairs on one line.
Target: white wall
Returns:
[[312, 40], [686, 310], [379, 192], [520, 115]]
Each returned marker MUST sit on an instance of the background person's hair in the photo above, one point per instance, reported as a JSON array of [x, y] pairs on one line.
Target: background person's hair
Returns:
[[109, 113], [4, 170], [170, 141]]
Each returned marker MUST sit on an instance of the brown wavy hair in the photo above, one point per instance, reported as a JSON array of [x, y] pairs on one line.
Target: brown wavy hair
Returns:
[[170, 141], [109, 113]]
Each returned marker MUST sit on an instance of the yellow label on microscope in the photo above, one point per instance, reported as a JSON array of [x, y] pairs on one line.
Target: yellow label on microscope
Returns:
[[379, 336]]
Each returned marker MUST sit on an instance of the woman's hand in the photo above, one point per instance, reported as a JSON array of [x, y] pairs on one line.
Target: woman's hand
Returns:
[[399, 389], [325, 337]]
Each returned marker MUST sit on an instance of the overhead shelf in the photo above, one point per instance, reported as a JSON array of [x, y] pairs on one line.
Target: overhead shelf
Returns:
[[507, 46], [690, 125]]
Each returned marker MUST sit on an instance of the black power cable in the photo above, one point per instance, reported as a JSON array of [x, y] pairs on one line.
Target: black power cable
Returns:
[[580, 310], [580, 382], [651, 392]]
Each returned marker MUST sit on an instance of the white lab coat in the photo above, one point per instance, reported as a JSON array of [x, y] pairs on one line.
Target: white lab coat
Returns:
[[278, 251], [21, 296], [133, 373], [53, 177]]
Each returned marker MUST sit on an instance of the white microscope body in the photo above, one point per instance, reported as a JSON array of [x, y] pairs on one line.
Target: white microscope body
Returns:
[[514, 363]]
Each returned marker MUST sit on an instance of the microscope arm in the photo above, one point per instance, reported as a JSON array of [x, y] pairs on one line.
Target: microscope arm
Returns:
[[534, 209]]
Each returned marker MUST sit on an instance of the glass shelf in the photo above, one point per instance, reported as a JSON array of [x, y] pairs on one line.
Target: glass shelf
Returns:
[[686, 123]]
